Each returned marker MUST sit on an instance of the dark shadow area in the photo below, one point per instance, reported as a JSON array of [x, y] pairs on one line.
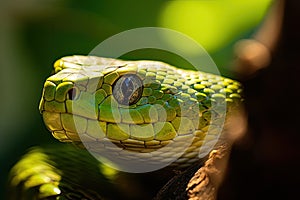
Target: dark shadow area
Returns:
[[265, 163]]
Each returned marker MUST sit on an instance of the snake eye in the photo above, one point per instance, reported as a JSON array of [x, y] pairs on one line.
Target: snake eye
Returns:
[[128, 89], [73, 93]]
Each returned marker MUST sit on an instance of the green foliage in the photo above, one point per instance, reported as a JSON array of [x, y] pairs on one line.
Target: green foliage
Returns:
[[216, 25]]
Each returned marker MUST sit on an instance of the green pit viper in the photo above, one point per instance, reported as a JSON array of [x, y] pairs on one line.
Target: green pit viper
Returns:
[[143, 114]]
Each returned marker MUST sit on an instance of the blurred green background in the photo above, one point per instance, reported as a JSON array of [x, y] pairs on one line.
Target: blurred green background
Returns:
[[34, 33]]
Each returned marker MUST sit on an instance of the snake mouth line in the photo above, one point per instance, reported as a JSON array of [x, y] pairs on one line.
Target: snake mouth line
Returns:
[[68, 127], [118, 140]]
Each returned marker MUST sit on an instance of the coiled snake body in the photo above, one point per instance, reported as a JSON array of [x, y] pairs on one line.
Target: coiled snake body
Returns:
[[138, 115]]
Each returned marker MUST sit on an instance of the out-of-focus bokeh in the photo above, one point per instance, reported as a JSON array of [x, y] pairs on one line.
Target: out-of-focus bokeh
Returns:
[[34, 33]]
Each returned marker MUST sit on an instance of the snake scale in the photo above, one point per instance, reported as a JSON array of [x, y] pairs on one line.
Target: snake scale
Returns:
[[136, 113]]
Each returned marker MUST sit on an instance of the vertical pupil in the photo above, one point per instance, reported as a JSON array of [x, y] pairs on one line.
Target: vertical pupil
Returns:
[[127, 88]]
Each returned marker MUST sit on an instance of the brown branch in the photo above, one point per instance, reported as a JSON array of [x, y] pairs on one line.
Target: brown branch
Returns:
[[205, 182]]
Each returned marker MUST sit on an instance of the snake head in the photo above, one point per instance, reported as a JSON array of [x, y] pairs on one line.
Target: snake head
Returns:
[[138, 106]]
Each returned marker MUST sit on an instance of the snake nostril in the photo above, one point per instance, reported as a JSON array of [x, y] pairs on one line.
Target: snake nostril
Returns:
[[73, 94]]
